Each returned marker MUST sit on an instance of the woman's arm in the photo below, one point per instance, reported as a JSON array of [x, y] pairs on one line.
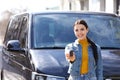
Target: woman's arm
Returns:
[[99, 69]]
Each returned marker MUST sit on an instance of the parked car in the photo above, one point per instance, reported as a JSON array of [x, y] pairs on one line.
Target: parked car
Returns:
[[34, 44]]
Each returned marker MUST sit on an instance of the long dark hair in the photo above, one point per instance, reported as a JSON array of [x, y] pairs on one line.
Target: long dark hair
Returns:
[[94, 48], [77, 22]]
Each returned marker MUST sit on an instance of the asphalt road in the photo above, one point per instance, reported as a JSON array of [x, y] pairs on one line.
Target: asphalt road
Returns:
[[0, 61]]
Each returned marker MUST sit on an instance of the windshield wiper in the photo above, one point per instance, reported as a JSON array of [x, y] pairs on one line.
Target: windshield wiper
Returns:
[[54, 47], [110, 47]]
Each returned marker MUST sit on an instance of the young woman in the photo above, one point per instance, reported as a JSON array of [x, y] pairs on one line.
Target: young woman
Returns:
[[83, 55]]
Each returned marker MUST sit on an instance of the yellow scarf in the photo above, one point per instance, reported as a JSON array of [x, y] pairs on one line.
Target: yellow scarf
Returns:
[[84, 65]]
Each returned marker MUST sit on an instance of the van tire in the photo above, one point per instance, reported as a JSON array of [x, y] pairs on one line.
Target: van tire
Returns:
[[2, 76]]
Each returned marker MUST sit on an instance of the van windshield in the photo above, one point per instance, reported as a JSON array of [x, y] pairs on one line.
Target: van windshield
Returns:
[[56, 30]]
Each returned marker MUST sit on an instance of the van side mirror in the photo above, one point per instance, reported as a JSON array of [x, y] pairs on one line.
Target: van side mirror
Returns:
[[14, 45]]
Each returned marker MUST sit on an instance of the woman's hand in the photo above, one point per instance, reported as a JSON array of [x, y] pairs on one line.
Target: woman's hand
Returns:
[[70, 58]]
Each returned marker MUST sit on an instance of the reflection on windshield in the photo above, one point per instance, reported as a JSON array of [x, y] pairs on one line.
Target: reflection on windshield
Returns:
[[56, 30]]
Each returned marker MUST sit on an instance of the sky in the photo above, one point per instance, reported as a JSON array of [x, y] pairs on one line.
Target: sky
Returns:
[[30, 4]]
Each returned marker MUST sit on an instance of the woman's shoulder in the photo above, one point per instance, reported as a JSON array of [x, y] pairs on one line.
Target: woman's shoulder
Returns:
[[98, 46], [73, 43], [69, 44]]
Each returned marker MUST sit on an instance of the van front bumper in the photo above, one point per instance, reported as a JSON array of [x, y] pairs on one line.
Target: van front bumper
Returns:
[[38, 76]]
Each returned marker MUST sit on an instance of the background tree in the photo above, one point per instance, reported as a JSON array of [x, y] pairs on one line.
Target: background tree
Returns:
[[4, 19]]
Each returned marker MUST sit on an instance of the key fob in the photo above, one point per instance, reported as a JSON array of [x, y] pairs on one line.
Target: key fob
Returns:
[[71, 53]]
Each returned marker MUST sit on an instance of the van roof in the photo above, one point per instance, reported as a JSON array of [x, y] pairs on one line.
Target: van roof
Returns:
[[71, 12]]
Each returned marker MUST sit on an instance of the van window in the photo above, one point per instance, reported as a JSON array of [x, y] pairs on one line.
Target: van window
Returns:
[[12, 32], [23, 31], [56, 30]]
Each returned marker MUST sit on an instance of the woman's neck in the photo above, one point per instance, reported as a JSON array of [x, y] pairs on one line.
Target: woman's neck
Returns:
[[83, 41]]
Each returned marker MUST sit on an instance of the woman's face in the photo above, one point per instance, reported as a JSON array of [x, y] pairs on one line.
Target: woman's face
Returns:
[[80, 31]]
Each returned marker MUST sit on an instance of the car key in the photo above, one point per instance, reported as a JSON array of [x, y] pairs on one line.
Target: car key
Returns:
[[71, 53]]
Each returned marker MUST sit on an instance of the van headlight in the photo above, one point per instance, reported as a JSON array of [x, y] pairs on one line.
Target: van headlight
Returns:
[[38, 76]]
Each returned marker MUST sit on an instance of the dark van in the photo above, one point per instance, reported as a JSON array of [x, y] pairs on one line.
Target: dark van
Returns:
[[34, 44]]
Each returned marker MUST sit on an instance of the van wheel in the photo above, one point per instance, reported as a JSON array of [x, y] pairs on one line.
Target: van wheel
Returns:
[[2, 76]]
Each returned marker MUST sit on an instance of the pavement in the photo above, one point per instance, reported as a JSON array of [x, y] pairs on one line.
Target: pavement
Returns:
[[0, 61]]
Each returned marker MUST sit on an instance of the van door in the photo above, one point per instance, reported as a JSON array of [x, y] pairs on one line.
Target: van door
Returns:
[[24, 59], [14, 61]]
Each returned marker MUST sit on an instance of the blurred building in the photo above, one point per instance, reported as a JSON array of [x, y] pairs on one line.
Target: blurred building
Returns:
[[111, 6]]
